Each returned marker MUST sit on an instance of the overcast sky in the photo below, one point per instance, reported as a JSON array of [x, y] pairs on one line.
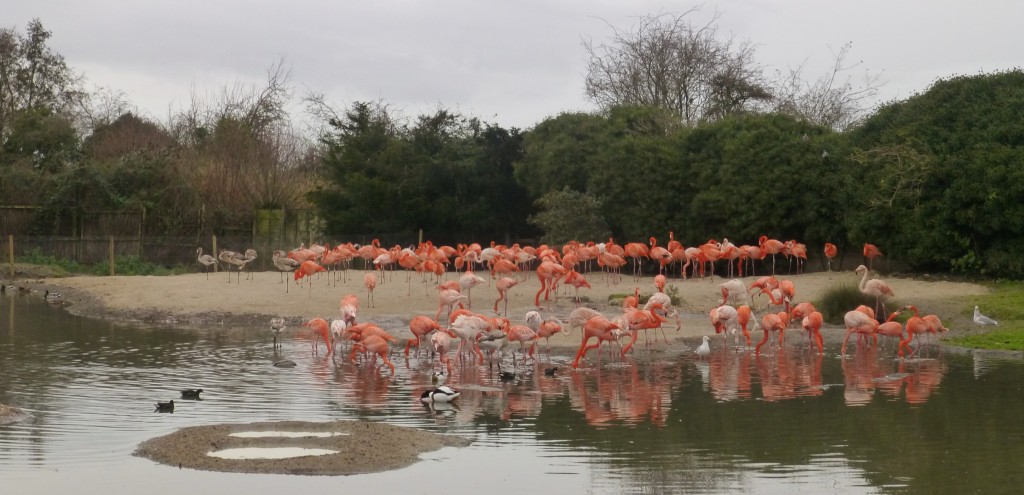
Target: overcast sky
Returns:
[[512, 63]]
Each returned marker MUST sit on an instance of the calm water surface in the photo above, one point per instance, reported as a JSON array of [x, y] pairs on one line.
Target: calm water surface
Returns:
[[786, 422]]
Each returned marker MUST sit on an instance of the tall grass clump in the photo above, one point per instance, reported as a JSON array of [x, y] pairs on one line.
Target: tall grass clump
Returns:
[[838, 299]]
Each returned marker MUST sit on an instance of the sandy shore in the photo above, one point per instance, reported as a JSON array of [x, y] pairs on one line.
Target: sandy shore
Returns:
[[195, 301]]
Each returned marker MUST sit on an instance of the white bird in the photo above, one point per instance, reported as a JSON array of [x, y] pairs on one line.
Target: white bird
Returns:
[[704, 350], [438, 378], [983, 320], [277, 326], [439, 394]]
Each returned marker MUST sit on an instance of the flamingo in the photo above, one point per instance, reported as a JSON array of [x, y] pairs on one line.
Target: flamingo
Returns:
[[578, 281], [448, 298], [374, 344], [601, 328], [891, 328], [285, 264], [548, 273], [493, 341], [873, 288], [349, 307], [306, 269], [441, 341], [773, 322], [467, 281], [812, 324], [467, 329], [723, 318], [320, 329], [871, 252], [831, 251], [659, 282], [420, 326], [772, 247], [858, 322], [205, 260], [232, 258], [526, 336], [915, 326], [370, 281], [503, 285]]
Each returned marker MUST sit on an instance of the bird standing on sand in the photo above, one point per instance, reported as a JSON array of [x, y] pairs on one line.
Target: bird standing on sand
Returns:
[[983, 320], [205, 260]]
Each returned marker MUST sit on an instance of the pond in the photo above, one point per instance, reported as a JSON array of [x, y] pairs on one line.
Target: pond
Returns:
[[783, 422]]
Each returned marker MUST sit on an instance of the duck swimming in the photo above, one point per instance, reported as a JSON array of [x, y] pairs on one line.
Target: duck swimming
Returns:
[[53, 297], [439, 394], [167, 407], [191, 393]]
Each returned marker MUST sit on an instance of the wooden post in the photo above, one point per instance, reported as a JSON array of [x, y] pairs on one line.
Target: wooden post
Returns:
[[110, 252], [216, 255], [420, 241], [10, 252]]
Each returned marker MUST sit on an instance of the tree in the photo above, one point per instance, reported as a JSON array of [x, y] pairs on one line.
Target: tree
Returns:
[[831, 100], [32, 76], [667, 62], [569, 215]]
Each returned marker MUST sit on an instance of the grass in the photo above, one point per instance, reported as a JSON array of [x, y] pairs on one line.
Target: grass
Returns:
[[1005, 304], [839, 299], [123, 265]]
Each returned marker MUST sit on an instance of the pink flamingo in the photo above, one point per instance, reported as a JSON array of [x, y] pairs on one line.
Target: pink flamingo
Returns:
[[320, 328], [873, 288], [503, 285], [370, 281]]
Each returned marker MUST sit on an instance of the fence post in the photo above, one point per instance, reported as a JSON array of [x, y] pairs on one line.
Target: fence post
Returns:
[[110, 252], [216, 255], [10, 252]]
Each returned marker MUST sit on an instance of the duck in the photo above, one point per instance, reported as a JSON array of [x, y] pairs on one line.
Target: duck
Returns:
[[705, 349], [167, 407], [4, 288], [284, 363], [550, 371], [506, 376], [439, 394], [53, 297], [191, 393]]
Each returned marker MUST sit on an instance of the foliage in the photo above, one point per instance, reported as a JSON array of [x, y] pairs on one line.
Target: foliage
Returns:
[[838, 299], [966, 131], [123, 265], [667, 62], [569, 215], [447, 174]]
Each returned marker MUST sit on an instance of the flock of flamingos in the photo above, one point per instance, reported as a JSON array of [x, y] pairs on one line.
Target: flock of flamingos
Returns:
[[481, 335]]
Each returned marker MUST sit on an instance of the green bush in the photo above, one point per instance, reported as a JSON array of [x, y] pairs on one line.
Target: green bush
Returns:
[[839, 299]]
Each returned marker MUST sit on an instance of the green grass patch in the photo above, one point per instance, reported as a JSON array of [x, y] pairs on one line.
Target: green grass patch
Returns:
[[840, 298], [123, 265], [1004, 304]]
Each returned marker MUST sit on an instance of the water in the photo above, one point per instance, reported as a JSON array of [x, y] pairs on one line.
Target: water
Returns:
[[656, 423]]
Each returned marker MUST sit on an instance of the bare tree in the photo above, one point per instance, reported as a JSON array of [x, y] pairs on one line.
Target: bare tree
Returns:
[[665, 61], [832, 100]]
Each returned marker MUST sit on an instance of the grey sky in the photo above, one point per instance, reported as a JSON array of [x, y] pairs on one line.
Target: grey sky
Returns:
[[513, 63]]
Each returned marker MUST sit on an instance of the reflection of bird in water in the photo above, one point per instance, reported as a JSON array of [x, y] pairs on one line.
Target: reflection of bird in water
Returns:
[[438, 378], [705, 349], [439, 394], [53, 297], [704, 368], [980, 319]]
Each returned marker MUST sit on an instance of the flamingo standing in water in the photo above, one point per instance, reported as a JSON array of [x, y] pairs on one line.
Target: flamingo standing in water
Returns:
[[773, 322], [320, 328], [858, 322], [205, 260], [601, 328], [420, 326]]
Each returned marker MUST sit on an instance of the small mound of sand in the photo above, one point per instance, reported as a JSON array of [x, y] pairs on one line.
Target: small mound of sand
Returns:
[[362, 447]]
